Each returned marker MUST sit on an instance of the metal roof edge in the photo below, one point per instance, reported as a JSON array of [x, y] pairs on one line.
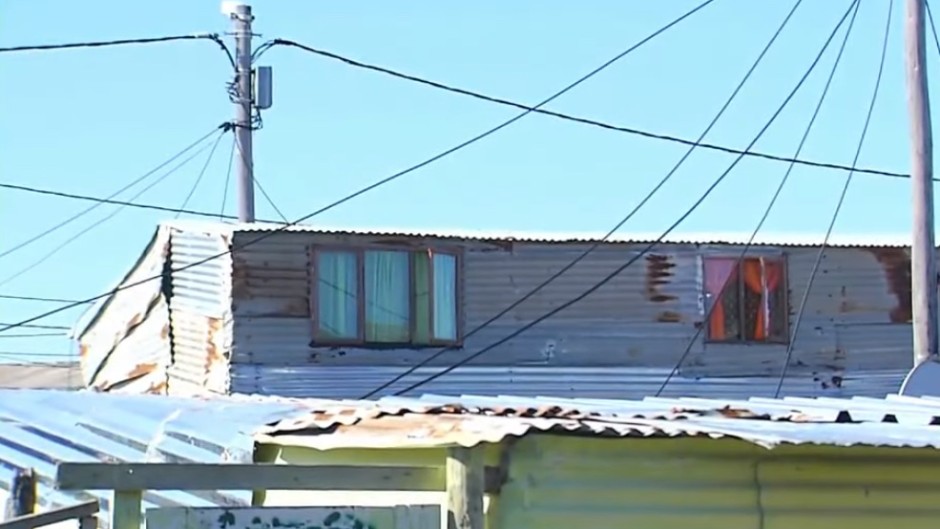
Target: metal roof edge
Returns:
[[865, 240]]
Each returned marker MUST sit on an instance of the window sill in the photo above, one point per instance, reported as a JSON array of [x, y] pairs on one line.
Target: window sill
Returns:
[[747, 342], [385, 346]]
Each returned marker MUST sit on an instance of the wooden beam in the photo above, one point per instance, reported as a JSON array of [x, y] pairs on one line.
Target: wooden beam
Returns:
[[191, 476], [465, 484], [82, 510]]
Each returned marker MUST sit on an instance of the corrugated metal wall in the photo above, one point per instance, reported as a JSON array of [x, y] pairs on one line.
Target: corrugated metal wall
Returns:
[[201, 314], [128, 349], [642, 319], [562, 482]]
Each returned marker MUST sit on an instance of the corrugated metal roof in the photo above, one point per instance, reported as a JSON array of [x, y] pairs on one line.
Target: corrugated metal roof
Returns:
[[39, 429], [879, 240], [468, 420]]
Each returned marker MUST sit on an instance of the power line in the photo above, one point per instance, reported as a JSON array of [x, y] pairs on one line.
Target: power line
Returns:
[[374, 185], [109, 216], [202, 173], [773, 200], [584, 121], [125, 203], [257, 183], [649, 247], [268, 199], [613, 230], [99, 202], [34, 298], [933, 28], [34, 335], [228, 178], [835, 213], [214, 37], [49, 327]]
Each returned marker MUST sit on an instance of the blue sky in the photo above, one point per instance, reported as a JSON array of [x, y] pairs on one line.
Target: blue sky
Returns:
[[90, 121]]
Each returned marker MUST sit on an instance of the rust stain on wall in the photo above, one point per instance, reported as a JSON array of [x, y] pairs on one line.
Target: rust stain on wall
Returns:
[[669, 316], [658, 273], [213, 354], [896, 263]]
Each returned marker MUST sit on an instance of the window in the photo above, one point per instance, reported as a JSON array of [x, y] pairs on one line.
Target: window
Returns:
[[749, 299], [385, 297]]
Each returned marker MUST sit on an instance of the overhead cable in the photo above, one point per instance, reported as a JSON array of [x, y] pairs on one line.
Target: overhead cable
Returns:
[[835, 214], [760, 224], [214, 37], [372, 186], [99, 202], [551, 279], [646, 249], [581, 120], [61, 246], [202, 173]]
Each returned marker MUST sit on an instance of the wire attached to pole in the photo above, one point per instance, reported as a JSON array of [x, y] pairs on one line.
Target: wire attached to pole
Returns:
[[368, 188], [760, 224], [551, 279], [835, 214], [650, 246]]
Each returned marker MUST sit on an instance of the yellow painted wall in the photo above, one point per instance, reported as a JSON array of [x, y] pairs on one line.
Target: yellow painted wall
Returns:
[[581, 482], [565, 482]]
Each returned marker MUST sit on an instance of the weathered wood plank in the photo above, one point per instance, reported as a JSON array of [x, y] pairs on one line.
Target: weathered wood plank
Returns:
[[166, 476], [398, 517], [126, 509], [51, 517], [465, 483]]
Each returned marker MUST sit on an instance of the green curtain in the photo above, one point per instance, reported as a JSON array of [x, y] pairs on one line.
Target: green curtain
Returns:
[[445, 297], [387, 297], [337, 295], [422, 281]]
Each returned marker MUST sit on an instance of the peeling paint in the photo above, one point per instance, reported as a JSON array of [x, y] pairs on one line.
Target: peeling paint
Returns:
[[896, 263], [659, 271]]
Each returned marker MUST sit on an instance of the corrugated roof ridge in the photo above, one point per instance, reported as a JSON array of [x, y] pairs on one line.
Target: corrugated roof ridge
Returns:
[[736, 238]]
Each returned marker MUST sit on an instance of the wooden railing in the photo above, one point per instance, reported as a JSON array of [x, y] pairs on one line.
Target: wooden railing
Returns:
[[463, 476], [84, 512]]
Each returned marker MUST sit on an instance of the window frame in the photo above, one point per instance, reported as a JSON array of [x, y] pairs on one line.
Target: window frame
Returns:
[[359, 250], [708, 303]]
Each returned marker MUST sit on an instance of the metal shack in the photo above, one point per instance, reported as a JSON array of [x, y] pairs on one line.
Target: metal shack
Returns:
[[311, 311]]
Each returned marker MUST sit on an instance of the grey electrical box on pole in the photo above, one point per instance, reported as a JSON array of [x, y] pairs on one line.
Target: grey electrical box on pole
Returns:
[[923, 249], [241, 28], [263, 86]]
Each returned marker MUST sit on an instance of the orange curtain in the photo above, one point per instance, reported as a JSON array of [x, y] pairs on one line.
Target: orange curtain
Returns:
[[756, 273]]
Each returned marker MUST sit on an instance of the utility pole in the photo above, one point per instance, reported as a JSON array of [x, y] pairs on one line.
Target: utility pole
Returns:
[[241, 28], [923, 250]]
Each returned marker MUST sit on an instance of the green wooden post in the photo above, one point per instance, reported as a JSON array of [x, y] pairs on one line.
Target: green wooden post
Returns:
[[125, 509]]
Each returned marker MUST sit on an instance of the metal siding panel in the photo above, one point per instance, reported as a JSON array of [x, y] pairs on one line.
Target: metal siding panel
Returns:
[[128, 338], [139, 362], [644, 318], [201, 312], [846, 329], [570, 482], [352, 382]]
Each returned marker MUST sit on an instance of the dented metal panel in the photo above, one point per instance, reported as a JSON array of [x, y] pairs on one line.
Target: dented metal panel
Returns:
[[251, 311], [201, 312], [644, 318], [128, 340], [349, 382]]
